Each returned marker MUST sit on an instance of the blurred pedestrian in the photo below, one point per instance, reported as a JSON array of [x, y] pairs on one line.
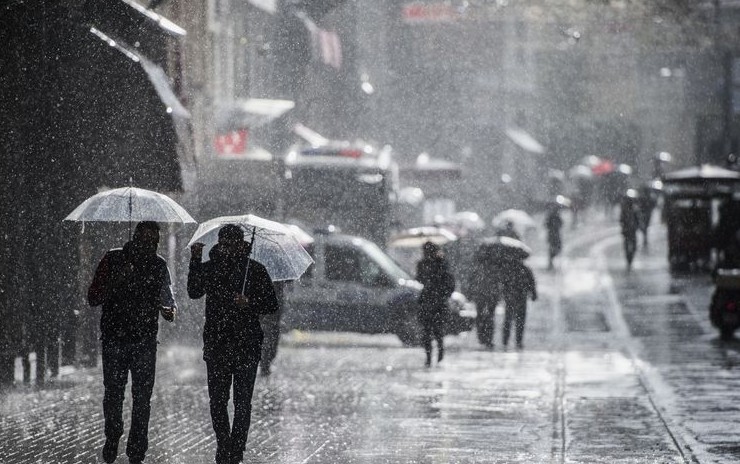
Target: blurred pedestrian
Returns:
[[133, 284], [553, 223], [517, 284], [238, 291], [629, 221], [645, 205], [271, 327], [485, 291], [433, 272]]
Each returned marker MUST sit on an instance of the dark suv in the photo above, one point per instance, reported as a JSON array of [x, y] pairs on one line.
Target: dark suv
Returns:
[[354, 286]]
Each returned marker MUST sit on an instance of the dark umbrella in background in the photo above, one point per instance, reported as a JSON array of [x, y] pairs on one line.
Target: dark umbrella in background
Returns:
[[701, 174]]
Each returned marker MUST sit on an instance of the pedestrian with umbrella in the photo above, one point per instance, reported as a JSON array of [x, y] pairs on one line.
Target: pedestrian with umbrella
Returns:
[[134, 287], [498, 276], [517, 285], [237, 284]]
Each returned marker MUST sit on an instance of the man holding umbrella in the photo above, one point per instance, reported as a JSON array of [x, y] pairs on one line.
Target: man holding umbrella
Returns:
[[133, 285], [238, 290]]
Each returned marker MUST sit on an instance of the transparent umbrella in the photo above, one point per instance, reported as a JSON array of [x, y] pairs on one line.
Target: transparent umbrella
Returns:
[[130, 204], [274, 245]]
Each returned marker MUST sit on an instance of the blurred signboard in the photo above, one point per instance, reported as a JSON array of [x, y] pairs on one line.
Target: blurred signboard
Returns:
[[429, 12]]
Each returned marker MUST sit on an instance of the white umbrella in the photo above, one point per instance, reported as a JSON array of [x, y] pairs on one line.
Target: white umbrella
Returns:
[[130, 204], [274, 245], [520, 219], [418, 236]]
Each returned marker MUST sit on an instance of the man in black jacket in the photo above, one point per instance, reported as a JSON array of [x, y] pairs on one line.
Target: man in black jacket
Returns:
[[238, 290], [133, 284]]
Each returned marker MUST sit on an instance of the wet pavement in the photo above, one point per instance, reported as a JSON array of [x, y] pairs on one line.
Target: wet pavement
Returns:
[[617, 368]]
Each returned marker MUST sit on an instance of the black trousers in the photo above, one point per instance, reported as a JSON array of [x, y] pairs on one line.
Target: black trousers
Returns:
[[516, 312], [241, 371], [120, 358]]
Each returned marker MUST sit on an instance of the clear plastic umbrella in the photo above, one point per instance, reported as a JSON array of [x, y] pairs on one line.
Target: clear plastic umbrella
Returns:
[[274, 245], [130, 204]]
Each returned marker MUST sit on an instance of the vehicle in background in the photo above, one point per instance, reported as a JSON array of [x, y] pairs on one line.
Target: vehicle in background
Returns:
[[354, 286], [351, 186], [724, 309]]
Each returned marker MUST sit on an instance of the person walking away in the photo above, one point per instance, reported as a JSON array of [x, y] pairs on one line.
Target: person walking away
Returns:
[[271, 328], [553, 223], [238, 291], [486, 293], [645, 205], [439, 283], [134, 287], [517, 283], [629, 221]]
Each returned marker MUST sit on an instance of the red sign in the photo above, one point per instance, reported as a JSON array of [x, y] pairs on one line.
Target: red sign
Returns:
[[433, 12], [233, 143]]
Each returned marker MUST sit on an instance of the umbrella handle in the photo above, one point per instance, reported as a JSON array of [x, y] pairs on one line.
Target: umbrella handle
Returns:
[[246, 271]]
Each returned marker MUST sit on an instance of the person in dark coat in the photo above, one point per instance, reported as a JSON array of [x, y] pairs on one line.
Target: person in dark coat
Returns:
[[271, 327], [433, 272], [629, 220], [553, 223], [517, 283], [238, 291], [133, 284], [486, 293]]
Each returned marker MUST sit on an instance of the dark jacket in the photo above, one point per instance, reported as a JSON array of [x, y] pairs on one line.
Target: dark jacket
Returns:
[[229, 330], [438, 282], [132, 287], [517, 282], [485, 286], [629, 219]]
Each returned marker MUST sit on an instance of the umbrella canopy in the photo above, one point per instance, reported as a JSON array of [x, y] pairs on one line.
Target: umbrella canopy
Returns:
[[274, 245], [504, 248], [705, 173], [521, 220], [130, 204], [418, 236]]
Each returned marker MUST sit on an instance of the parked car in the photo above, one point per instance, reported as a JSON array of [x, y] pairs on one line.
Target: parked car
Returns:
[[354, 286]]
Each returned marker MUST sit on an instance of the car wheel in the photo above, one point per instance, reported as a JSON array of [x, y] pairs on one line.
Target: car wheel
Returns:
[[408, 329]]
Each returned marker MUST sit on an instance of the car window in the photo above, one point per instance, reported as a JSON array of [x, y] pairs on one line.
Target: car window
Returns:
[[384, 262], [309, 272], [350, 264]]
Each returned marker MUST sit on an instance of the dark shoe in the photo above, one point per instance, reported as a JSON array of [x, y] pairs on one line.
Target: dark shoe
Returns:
[[440, 355], [110, 451], [223, 455], [236, 457], [135, 461]]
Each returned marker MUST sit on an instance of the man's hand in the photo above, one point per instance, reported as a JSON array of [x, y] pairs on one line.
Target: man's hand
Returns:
[[168, 313], [196, 251], [240, 301]]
